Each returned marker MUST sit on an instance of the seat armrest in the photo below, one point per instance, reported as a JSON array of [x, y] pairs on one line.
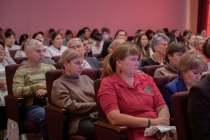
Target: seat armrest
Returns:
[[57, 109], [113, 127], [172, 120], [11, 97]]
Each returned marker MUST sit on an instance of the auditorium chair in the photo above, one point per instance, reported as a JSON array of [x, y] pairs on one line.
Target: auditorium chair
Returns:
[[19, 60], [12, 53], [57, 120], [105, 130], [150, 70], [56, 59], [179, 103], [14, 105], [161, 81]]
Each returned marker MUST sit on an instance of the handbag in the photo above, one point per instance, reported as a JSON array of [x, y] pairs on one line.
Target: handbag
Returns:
[[12, 130]]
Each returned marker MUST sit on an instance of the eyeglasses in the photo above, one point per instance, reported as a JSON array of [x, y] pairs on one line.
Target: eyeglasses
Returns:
[[165, 45], [78, 63], [75, 47], [39, 51]]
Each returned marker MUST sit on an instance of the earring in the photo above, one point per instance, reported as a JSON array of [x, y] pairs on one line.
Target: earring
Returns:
[[120, 71]]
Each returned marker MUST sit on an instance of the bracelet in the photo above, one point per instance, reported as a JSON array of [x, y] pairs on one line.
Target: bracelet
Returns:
[[149, 122]]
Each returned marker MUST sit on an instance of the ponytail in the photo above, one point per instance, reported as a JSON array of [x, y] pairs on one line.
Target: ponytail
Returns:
[[107, 66]]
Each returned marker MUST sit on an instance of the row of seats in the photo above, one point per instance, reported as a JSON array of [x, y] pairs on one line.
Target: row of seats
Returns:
[[57, 117]]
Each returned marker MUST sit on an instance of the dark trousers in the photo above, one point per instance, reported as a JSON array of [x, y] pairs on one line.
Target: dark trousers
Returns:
[[86, 128], [36, 114]]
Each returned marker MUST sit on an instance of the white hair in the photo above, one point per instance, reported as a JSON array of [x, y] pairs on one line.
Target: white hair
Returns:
[[30, 43], [74, 39]]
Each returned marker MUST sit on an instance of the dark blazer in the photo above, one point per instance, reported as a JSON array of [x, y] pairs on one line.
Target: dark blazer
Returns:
[[93, 62], [199, 109], [177, 85]]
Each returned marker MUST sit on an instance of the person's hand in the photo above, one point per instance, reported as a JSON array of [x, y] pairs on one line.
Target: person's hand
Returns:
[[41, 93], [160, 121], [42, 86]]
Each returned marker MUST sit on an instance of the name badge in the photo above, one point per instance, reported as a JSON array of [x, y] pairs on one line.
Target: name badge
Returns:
[[148, 89]]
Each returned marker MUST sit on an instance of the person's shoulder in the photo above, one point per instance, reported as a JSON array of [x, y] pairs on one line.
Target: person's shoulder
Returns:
[[48, 66], [85, 78]]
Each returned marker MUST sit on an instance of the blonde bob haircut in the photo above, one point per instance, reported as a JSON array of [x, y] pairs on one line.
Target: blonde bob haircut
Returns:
[[119, 53], [192, 60], [68, 55]]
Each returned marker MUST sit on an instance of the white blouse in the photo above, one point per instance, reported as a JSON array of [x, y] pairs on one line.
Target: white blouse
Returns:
[[52, 51]]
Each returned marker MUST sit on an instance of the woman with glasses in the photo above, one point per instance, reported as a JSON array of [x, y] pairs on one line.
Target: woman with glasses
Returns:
[[75, 92], [160, 43]]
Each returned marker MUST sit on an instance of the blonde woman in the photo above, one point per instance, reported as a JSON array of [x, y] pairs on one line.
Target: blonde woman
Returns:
[[191, 66], [76, 93]]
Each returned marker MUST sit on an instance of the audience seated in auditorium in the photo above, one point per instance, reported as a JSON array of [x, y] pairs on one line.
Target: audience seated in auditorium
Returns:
[[61, 31], [176, 34], [121, 34], [173, 54], [185, 33], [39, 36], [190, 39], [68, 36], [48, 39], [160, 43], [10, 41], [206, 52], [141, 41], [191, 66], [89, 62], [198, 43], [4, 61], [95, 31], [106, 50], [75, 92], [203, 33], [130, 98], [96, 44], [87, 45], [86, 32], [21, 52], [56, 48], [171, 37], [29, 83], [199, 109]]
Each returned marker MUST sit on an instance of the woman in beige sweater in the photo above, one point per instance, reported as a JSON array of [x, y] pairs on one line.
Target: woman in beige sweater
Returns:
[[75, 92]]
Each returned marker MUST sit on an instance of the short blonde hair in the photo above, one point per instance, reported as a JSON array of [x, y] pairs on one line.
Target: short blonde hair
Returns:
[[192, 60], [68, 55]]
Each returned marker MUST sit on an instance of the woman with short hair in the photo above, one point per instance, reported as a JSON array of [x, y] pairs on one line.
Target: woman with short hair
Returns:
[[191, 66], [75, 92], [160, 43], [173, 54]]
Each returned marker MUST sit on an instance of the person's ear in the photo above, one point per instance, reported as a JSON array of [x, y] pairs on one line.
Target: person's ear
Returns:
[[65, 64], [119, 63]]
